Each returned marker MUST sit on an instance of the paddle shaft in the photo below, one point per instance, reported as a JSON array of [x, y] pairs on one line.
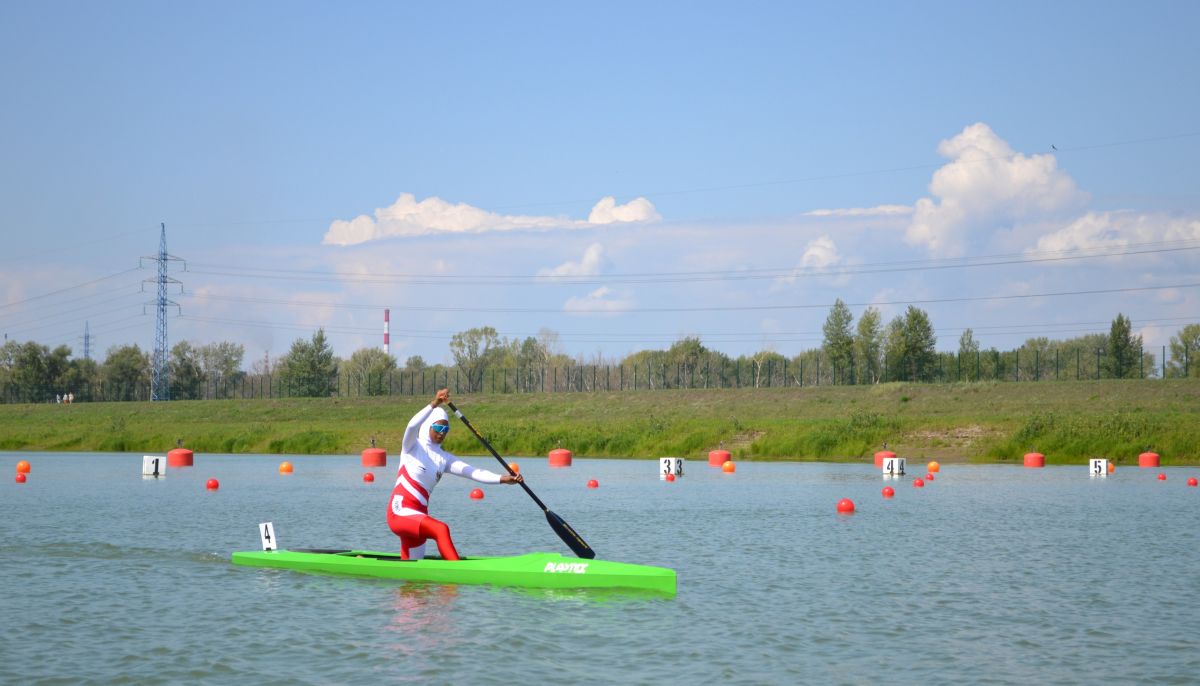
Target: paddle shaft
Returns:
[[568, 535]]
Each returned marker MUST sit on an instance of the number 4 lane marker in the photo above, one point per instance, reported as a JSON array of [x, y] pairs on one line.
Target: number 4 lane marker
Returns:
[[267, 531]]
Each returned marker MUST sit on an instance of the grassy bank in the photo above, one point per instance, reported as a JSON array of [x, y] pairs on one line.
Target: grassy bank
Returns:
[[988, 422]]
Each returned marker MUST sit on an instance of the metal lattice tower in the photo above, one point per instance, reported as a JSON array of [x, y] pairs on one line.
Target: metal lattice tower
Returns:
[[87, 342], [160, 381]]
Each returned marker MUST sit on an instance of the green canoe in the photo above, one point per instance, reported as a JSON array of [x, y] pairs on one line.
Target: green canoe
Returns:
[[533, 570]]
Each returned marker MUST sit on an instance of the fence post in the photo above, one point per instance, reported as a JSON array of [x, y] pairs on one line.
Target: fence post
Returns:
[[1097, 364]]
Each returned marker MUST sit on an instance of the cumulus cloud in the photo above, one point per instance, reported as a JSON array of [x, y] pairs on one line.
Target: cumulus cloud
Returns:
[[1118, 229], [820, 253], [600, 301], [986, 186], [877, 211], [607, 211], [592, 263], [433, 215]]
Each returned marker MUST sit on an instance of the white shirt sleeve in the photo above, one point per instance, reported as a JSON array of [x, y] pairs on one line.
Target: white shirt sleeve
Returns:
[[413, 431], [483, 476]]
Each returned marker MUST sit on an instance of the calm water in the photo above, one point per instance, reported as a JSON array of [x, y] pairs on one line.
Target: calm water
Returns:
[[988, 575]]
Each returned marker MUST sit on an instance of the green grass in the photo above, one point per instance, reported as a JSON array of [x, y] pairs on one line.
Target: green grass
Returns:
[[988, 422]]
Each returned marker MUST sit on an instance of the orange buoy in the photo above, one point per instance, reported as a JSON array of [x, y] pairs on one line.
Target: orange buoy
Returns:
[[515, 467], [212, 484], [21, 477], [477, 494], [285, 467], [368, 477], [1148, 459], [716, 458], [845, 506], [917, 483], [559, 457], [1035, 460], [729, 467], [180, 457], [1112, 467], [374, 457], [888, 491], [934, 467], [592, 483], [881, 456], [23, 467]]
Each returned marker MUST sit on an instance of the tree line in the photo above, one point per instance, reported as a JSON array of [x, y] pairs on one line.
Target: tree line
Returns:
[[863, 352]]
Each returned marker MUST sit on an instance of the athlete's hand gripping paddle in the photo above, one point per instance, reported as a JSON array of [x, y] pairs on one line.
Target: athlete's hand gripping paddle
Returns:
[[564, 530]]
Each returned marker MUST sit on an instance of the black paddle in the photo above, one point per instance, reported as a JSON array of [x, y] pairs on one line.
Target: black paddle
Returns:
[[564, 530]]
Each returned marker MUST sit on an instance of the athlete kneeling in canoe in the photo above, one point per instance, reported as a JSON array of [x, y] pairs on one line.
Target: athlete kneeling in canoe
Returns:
[[422, 463]]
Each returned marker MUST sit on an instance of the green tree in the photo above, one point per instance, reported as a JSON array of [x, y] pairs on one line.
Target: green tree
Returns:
[[126, 373], [868, 346], [1185, 353], [414, 363], [474, 350], [839, 342], [911, 347], [1124, 350], [187, 379], [369, 371], [309, 368], [968, 350]]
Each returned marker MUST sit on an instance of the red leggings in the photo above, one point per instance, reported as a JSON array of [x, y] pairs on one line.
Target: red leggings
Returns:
[[415, 530]]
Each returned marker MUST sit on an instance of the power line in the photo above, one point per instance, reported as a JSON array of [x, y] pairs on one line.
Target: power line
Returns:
[[709, 308], [67, 289], [762, 273]]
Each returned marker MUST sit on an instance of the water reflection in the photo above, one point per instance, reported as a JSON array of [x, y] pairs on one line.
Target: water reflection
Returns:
[[422, 618]]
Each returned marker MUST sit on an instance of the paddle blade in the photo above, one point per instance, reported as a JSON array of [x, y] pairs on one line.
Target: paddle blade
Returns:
[[568, 536]]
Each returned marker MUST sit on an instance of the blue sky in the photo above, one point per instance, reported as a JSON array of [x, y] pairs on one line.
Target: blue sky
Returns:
[[808, 142]]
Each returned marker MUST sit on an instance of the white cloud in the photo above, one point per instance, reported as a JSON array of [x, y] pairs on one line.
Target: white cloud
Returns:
[[985, 187], [607, 211], [411, 217], [599, 301], [1118, 230], [592, 263], [819, 254], [877, 211]]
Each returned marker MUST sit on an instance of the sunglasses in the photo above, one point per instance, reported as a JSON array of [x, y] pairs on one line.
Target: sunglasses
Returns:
[[442, 429]]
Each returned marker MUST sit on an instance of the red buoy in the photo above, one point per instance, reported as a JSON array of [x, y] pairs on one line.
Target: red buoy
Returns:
[[845, 506], [592, 483], [888, 491], [368, 477], [559, 457], [929, 477], [1162, 477], [180, 457], [20, 477], [1035, 460], [917, 483], [477, 494], [669, 477], [1192, 481], [881, 456], [374, 457], [716, 458], [1148, 459], [212, 484]]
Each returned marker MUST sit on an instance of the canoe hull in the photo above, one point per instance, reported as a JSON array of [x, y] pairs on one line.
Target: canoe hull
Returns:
[[533, 570]]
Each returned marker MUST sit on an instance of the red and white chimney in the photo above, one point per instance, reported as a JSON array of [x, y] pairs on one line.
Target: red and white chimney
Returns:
[[387, 343]]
